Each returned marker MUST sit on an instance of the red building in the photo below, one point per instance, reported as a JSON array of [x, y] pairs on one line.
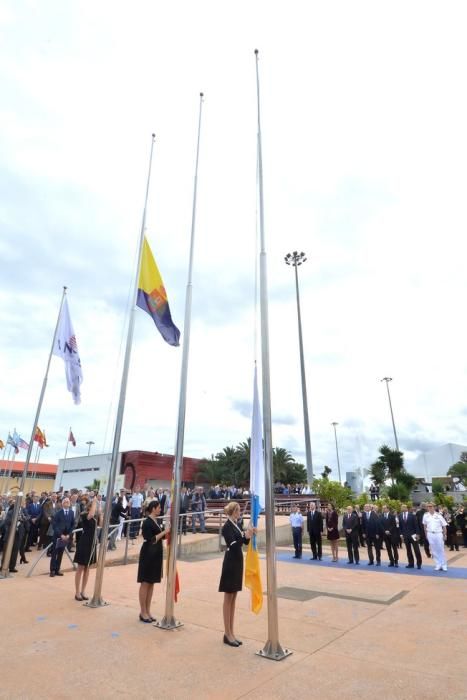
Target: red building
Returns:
[[141, 467]]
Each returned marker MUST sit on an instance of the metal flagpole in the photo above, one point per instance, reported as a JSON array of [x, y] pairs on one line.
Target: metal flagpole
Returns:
[[97, 600], [64, 459], [4, 573], [168, 621], [272, 649]]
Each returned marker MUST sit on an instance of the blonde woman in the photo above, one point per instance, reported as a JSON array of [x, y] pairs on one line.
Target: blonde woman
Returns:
[[232, 568]]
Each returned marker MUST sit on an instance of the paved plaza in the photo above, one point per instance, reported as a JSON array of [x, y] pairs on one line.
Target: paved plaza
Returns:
[[357, 632]]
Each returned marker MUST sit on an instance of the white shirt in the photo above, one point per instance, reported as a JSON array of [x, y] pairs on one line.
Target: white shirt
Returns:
[[296, 519], [434, 522]]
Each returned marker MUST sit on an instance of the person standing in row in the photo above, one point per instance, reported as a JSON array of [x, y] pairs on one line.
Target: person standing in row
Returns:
[[351, 535], [232, 568], [373, 532], [296, 521], [391, 536], [410, 531], [332, 530], [314, 525], [136, 503], [150, 560], [85, 554], [435, 532], [62, 524]]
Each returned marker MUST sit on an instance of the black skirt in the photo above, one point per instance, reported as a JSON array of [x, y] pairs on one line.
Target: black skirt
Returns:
[[150, 556], [232, 566], [86, 545]]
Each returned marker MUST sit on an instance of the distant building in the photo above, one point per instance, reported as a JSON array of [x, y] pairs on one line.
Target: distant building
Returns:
[[435, 463], [40, 477], [135, 468]]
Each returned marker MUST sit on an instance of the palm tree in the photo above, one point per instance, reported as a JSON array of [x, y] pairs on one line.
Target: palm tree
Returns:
[[281, 460]]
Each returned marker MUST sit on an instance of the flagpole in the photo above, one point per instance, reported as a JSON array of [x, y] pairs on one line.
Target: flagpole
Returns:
[[97, 601], [64, 459], [168, 621], [272, 649], [4, 572]]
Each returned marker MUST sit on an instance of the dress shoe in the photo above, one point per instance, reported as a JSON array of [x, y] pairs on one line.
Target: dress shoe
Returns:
[[239, 642], [350, 562], [52, 574], [396, 564], [391, 564], [370, 563], [230, 644], [13, 571], [378, 563], [419, 566], [78, 597], [58, 573], [409, 566], [145, 619], [444, 567], [437, 568], [357, 562], [28, 550]]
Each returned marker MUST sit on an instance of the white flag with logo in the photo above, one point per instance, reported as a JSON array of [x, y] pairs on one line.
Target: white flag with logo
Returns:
[[66, 347]]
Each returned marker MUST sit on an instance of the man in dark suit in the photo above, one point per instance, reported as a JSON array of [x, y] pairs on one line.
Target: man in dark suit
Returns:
[[350, 525], [63, 524], [34, 511], [409, 529], [373, 532], [314, 525], [391, 536]]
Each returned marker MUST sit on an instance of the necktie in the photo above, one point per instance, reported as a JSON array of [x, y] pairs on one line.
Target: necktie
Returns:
[[66, 514]]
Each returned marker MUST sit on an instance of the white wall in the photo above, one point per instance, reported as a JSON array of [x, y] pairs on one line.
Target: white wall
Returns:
[[79, 472]]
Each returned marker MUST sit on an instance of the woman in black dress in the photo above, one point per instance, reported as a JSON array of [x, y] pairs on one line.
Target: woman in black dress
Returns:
[[232, 568], [150, 560], [85, 554], [332, 526]]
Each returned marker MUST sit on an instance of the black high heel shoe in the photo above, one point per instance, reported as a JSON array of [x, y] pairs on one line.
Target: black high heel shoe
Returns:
[[143, 619], [231, 644], [23, 561]]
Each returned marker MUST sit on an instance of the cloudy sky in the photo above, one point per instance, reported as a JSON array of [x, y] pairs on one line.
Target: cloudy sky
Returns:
[[364, 114]]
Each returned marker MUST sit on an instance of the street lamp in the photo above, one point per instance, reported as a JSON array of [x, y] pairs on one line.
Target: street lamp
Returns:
[[90, 442], [387, 380], [337, 451], [295, 259]]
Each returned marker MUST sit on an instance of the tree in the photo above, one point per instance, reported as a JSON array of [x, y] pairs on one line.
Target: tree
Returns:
[[210, 471], [332, 492], [325, 473], [392, 461], [377, 473], [459, 470], [94, 486], [281, 461]]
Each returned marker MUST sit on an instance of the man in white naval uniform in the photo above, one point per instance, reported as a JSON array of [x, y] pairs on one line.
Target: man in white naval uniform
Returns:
[[435, 530]]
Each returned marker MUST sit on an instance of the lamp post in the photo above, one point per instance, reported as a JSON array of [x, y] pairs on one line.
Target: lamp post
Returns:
[[295, 259], [89, 442], [337, 451], [387, 380]]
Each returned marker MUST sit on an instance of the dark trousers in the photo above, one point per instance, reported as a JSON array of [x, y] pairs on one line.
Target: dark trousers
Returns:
[[391, 547], [44, 538], [376, 543], [426, 545], [451, 539], [412, 547], [134, 527], [182, 526], [56, 558], [33, 534], [297, 541], [352, 546], [14, 551], [316, 545]]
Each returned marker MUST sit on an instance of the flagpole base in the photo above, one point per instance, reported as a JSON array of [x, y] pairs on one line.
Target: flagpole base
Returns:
[[274, 652], [168, 623], [96, 603]]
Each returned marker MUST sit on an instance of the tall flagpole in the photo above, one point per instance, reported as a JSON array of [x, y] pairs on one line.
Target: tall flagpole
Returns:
[[97, 600], [168, 621], [272, 649], [4, 573]]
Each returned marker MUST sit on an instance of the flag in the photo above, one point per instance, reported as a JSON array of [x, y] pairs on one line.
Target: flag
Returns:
[[71, 438], [45, 440], [177, 580], [19, 442], [65, 346], [152, 297], [2, 445], [252, 568], [10, 441], [39, 437]]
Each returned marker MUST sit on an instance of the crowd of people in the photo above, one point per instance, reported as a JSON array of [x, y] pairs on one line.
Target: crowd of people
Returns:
[[380, 529]]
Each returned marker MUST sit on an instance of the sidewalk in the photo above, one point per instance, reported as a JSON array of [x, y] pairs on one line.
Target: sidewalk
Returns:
[[354, 631]]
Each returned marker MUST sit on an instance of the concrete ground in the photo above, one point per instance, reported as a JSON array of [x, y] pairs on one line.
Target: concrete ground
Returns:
[[355, 632]]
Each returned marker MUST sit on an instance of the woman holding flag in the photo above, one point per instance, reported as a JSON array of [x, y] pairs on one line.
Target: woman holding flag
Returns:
[[150, 559], [232, 568]]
